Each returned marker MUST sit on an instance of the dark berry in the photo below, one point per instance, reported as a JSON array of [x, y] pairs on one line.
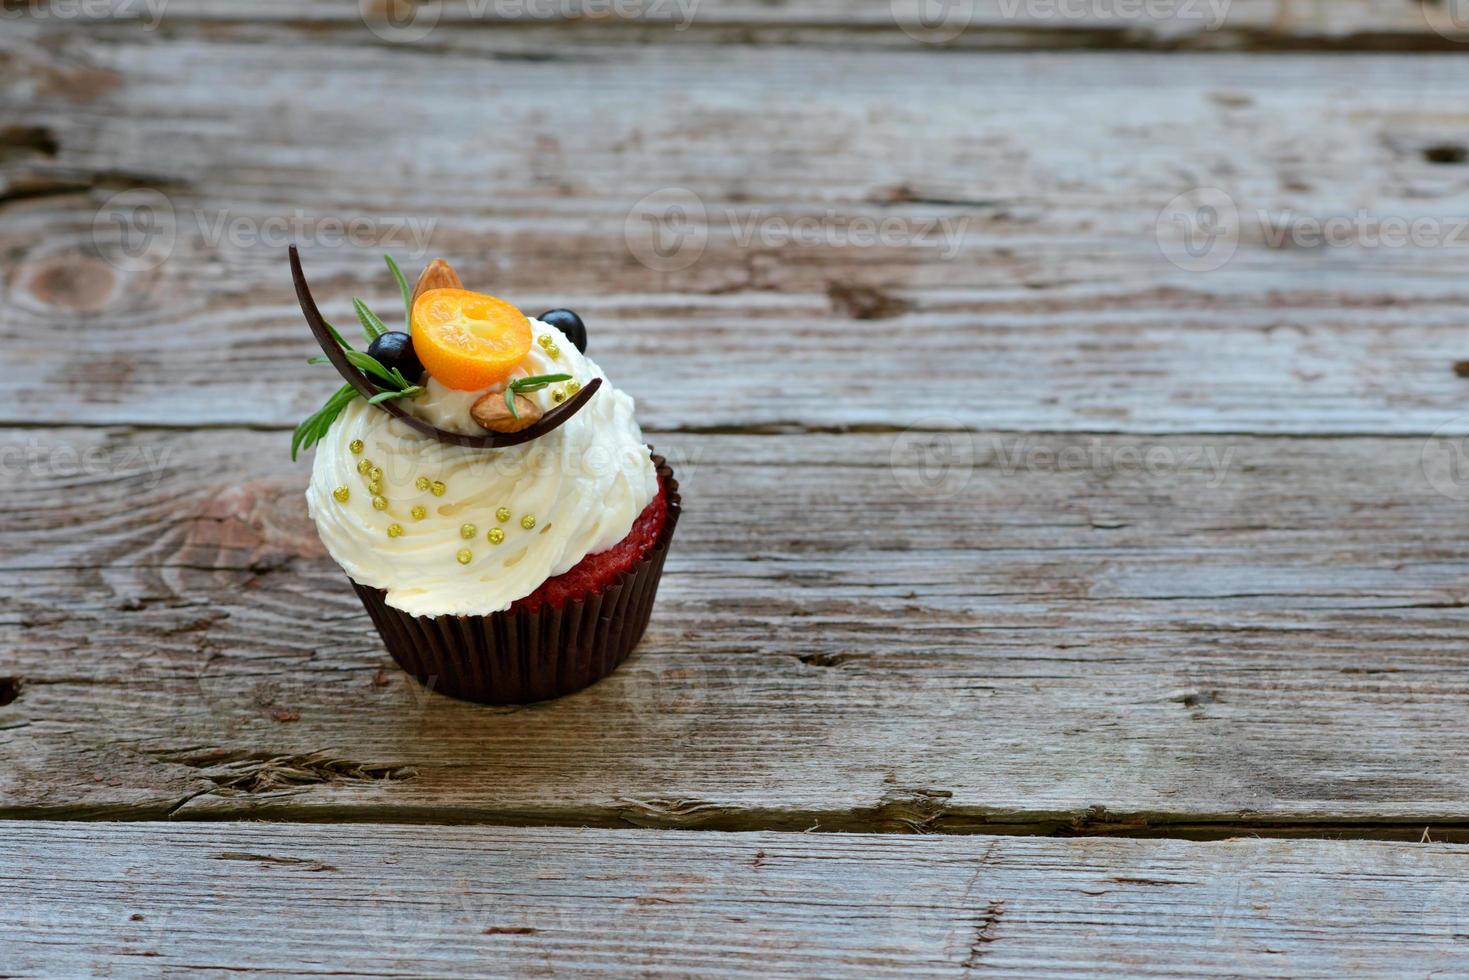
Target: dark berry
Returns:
[[568, 323], [395, 350]]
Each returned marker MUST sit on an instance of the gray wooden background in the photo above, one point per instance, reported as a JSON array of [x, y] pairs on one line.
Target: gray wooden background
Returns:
[[1072, 579]]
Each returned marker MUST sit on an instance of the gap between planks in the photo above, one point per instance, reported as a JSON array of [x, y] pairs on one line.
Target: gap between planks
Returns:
[[893, 817]]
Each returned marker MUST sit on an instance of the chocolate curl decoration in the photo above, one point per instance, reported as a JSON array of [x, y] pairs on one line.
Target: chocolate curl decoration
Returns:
[[497, 440]]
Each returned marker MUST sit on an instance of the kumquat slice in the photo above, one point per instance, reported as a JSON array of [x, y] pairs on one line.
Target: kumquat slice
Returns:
[[468, 340]]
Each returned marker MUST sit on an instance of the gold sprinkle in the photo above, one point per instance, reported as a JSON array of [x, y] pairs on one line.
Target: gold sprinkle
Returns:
[[545, 341], [572, 387], [468, 531], [423, 483], [395, 530], [376, 473], [438, 489], [341, 493], [503, 514], [356, 446], [495, 535], [553, 350], [557, 395], [528, 521], [419, 512], [379, 503], [364, 466], [375, 487], [465, 556]]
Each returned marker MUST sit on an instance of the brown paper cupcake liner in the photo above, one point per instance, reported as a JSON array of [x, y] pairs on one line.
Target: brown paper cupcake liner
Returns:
[[518, 656]]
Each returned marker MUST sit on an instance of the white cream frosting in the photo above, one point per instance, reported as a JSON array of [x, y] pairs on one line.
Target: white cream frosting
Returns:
[[584, 483]]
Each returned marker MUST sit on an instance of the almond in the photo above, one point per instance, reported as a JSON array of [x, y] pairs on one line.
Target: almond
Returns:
[[438, 274], [491, 412]]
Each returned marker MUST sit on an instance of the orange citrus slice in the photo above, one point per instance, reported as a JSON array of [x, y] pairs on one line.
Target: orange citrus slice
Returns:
[[466, 340]]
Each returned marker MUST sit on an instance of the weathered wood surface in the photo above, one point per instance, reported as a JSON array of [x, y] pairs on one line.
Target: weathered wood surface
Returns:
[[471, 901], [1191, 635], [1207, 24], [1155, 631], [1056, 309]]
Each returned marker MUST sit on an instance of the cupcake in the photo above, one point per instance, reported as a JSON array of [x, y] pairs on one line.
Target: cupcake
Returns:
[[487, 492]]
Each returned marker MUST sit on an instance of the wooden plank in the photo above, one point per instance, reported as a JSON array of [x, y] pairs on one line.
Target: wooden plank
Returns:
[[1211, 24], [1056, 180], [476, 901], [1181, 635]]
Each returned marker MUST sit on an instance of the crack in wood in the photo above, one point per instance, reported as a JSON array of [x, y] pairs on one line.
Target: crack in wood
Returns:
[[984, 932], [267, 860], [248, 773]]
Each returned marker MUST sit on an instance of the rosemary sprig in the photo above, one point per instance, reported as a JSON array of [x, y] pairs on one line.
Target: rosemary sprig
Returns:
[[522, 386], [315, 426], [372, 324], [407, 291], [309, 432]]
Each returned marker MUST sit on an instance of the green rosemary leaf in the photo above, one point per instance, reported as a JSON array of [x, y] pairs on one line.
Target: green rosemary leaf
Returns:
[[510, 400], [403, 383], [299, 435], [407, 293], [536, 382], [319, 359], [336, 336], [369, 364], [383, 396], [372, 325], [310, 431]]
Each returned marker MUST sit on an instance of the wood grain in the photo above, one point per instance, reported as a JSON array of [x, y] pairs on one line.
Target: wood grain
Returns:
[[474, 901], [1184, 635], [1054, 310], [971, 24]]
